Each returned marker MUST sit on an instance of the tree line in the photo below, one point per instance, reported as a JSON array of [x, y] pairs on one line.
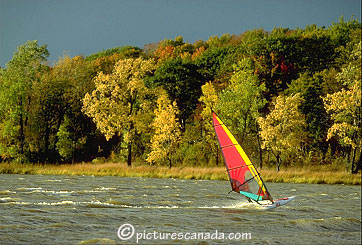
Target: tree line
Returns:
[[290, 97]]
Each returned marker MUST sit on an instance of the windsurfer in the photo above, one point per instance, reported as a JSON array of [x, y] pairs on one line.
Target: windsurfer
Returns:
[[246, 187], [241, 187], [240, 169]]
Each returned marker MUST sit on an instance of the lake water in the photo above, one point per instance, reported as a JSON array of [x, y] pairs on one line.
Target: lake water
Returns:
[[43, 209]]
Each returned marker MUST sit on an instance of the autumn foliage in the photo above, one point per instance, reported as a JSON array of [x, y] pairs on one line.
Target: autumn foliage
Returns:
[[290, 97]]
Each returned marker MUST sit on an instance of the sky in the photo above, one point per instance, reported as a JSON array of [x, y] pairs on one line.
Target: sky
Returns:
[[83, 27]]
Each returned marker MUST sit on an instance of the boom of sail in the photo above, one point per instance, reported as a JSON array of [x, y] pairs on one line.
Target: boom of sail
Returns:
[[244, 177]]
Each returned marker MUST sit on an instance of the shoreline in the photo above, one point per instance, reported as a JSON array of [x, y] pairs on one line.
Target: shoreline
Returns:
[[311, 175]]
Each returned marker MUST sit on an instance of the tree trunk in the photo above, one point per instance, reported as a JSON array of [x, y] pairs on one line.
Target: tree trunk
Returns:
[[349, 153], [46, 143], [356, 166], [260, 152], [22, 135], [183, 125], [73, 150], [129, 148], [54, 147], [217, 157], [279, 162], [359, 163], [129, 158]]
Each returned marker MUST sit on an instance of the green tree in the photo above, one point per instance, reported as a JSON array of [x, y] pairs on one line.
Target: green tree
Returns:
[[115, 102], [17, 79], [216, 63], [315, 114], [182, 81], [76, 74], [45, 117], [279, 56], [317, 119], [67, 142], [105, 60], [340, 31], [240, 104]]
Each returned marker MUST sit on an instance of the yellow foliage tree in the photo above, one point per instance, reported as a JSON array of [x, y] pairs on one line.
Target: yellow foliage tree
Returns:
[[167, 131], [283, 129], [209, 99], [345, 108], [116, 102]]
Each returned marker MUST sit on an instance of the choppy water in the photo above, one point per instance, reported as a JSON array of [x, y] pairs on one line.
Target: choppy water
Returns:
[[37, 209]]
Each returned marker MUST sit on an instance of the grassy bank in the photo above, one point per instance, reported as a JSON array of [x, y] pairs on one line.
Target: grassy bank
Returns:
[[315, 175]]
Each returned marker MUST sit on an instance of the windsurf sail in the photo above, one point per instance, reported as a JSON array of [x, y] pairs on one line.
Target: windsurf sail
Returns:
[[244, 177]]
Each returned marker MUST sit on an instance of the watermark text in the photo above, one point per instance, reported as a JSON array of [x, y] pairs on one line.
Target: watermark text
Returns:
[[127, 232]]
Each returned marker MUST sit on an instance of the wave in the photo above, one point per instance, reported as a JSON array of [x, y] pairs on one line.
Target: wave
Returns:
[[60, 192], [336, 223], [117, 204], [29, 188], [6, 192], [8, 200], [95, 203], [53, 192], [98, 241]]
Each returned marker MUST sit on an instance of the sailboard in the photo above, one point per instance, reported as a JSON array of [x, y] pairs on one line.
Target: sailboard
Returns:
[[244, 177]]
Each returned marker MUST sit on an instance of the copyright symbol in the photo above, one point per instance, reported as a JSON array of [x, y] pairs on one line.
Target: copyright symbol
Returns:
[[125, 232]]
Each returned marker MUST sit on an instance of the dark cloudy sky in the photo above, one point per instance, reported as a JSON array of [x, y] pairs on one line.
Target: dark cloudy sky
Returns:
[[76, 27]]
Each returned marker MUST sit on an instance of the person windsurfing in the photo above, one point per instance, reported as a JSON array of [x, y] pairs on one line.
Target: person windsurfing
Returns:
[[237, 186]]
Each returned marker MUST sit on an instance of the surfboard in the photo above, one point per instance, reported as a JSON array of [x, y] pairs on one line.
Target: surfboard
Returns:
[[244, 177], [277, 203]]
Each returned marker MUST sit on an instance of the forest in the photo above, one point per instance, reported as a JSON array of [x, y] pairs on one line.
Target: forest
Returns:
[[290, 97]]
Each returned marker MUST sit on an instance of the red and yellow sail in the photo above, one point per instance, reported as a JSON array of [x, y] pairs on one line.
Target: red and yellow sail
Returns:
[[244, 178]]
